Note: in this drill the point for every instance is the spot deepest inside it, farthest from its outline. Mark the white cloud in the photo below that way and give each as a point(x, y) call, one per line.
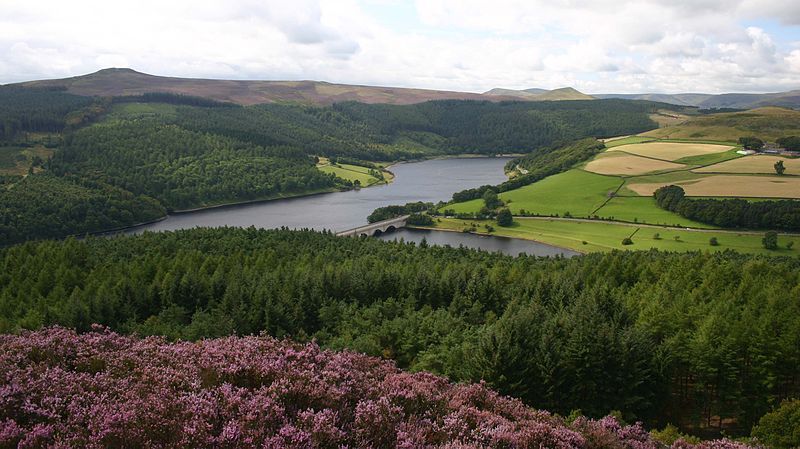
point(595, 45)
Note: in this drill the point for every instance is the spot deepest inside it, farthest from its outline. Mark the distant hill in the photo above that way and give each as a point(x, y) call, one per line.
point(512, 93)
point(767, 123)
point(789, 99)
point(117, 82)
point(564, 93)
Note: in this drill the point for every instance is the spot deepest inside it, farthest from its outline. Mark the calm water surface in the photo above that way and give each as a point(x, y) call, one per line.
point(433, 180)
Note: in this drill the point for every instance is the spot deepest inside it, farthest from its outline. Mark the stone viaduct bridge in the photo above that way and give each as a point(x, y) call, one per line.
point(376, 228)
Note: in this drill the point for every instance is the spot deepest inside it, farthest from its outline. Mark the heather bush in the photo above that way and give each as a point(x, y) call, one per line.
point(103, 390)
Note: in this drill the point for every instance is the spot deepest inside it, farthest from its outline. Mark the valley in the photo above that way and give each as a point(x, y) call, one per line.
point(589, 273)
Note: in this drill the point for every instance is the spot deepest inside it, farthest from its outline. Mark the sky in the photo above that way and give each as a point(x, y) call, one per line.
point(596, 46)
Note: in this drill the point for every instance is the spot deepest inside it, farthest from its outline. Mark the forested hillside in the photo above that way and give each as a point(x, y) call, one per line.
point(704, 341)
point(175, 152)
point(35, 110)
point(183, 169)
point(390, 132)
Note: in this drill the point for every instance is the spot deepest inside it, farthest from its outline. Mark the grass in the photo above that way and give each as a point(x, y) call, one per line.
point(767, 123)
point(709, 159)
point(350, 172)
point(627, 141)
point(643, 209)
point(574, 191)
point(601, 237)
point(666, 118)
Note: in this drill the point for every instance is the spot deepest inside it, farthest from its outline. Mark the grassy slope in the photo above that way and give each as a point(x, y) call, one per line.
point(116, 82)
point(644, 209)
point(601, 236)
point(581, 194)
point(767, 123)
point(574, 191)
point(627, 140)
point(350, 172)
point(709, 159)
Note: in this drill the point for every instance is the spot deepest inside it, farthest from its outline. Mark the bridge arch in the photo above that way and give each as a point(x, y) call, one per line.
point(375, 229)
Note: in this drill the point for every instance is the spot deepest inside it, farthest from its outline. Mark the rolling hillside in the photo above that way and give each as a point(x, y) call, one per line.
point(767, 123)
point(117, 82)
point(564, 93)
point(789, 99)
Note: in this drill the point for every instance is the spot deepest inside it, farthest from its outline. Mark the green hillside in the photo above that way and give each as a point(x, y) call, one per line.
point(767, 123)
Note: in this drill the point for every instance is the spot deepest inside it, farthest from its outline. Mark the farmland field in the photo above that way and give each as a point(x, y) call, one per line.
point(643, 209)
point(618, 163)
point(711, 158)
point(670, 151)
point(753, 164)
point(574, 191)
point(605, 236)
point(767, 123)
point(730, 186)
point(349, 172)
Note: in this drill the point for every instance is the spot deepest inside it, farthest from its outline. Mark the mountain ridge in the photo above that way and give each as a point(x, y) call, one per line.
point(790, 99)
point(125, 81)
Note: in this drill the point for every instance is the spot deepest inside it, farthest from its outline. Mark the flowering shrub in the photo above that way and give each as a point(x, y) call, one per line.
point(100, 389)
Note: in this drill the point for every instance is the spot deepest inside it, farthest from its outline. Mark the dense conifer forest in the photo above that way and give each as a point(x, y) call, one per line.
point(35, 110)
point(708, 342)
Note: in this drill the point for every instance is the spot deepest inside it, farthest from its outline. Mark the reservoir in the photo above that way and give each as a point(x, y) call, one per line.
point(430, 181)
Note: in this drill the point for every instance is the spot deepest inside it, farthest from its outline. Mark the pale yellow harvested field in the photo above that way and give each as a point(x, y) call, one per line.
point(671, 151)
point(730, 185)
point(624, 164)
point(753, 164)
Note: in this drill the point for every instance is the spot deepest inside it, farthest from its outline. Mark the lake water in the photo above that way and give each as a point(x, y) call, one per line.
point(429, 181)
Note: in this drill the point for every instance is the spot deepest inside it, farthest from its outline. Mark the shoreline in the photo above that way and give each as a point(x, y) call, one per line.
point(387, 168)
point(254, 201)
point(486, 234)
point(320, 192)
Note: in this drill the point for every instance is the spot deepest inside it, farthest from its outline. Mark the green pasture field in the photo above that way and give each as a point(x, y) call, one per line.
point(350, 172)
point(604, 236)
point(710, 159)
point(574, 191)
point(627, 141)
point(643, 209)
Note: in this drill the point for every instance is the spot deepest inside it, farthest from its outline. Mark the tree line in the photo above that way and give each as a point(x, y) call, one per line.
point(539, 164)
point(708, 342)
point(731, 213)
